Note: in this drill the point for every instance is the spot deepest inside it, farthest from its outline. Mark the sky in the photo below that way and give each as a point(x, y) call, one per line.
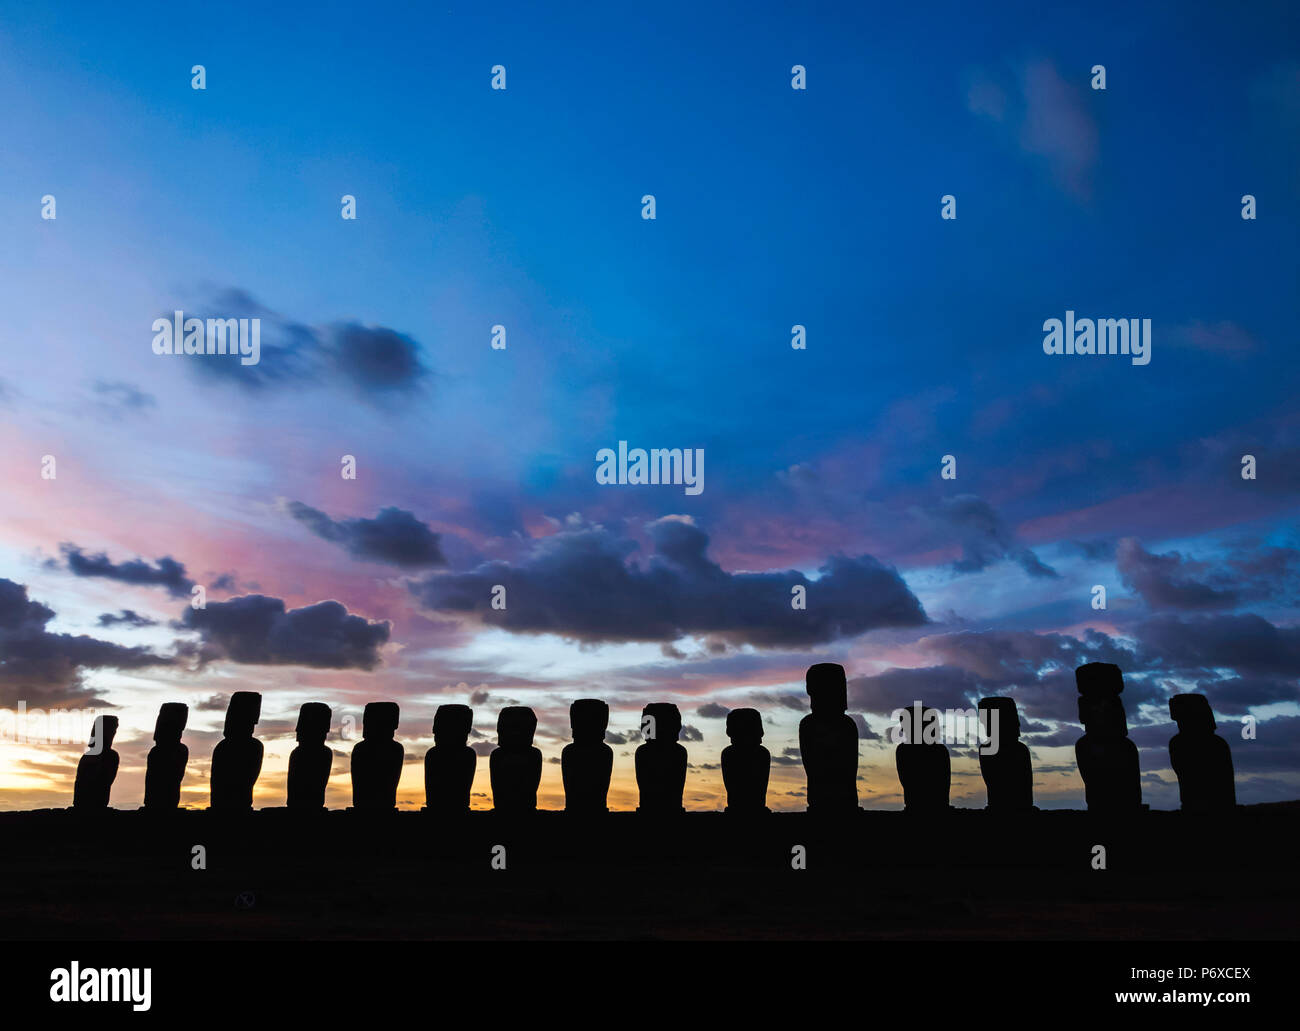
point(476, 466)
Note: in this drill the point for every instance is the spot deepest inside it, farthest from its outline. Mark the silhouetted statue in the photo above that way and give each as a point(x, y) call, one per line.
point(237, 759)
point(1008, 775)
point(377, 759)
point(828, 742)
point(97, 769)
point(1202, 759)
point(588, 762)
point(515, 765)
point(1107, 759)
point(924, 766)
point(746, 764)
point(165, 767)
point(310, 762)
point(449, 765)
point(661, 761)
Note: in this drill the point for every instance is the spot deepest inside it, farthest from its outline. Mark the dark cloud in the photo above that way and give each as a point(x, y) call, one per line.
point(712, 711)
point(118, 395)
point(1244, 643)
point(690, 733)
point(1237, 695)
point(165, 572)
point(943, 687)
point(579, 584)
point(127, 617)
point(394, 536)
point(255, 629)
point(43, 668)
point(985, 537)
point(1170, 581)
point(373, 362)
point(478, 698)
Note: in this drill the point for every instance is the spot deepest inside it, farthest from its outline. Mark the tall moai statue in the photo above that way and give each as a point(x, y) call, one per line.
point(1202, 759)
point(828, 742)
point(377, 759)
point(1008, 774)
point(97, 769)
point(515, 765)
point(661, 760)
point(746, 764)
point(924, 766)
point(237, 759)
point(310, 762)
point(587, 764)
point(449, 765)
point(165, 767)
point(1107, 759)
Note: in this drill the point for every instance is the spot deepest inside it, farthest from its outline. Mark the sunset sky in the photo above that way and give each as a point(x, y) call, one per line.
point(775, 207)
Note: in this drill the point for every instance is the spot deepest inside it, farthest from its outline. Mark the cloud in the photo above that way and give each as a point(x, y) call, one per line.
point(1247, 644)
point(375, 363)
point(118, 396)
point(985, 538)
point(394, 536)
point(579, 584)
point(1216, 338)
point(43, 668)
point(127, 617)
point(712, 711)
point(257, 630)
point(165, 572)
point(1169, 581)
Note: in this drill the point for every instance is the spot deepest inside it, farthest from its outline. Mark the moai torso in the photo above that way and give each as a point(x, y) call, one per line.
point(925, 772)
point(377, 759)
point(165, 766)
point(450, 764)
point(1107, 759)
point(311, 761)
point(237, 759)
point(661, 762)
point(746, 764)
point(97, 769)
point(1007, 772)
point(587, 764)
point(828, 742)
point(515, 766)
point(1201, 759)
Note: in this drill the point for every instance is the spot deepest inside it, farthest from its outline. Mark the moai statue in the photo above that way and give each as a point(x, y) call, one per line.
point(449, 765)
point(746, 763)
point(165, 767)
point(310, 762)
point(588, 762)
point(97, 769)
point(661, 761)
point(515, 765)
point(924, 767)
point(1107, 759)
point(1008, 775)
point(828, 743)
point(237, 759)
point(377, 759)
point(1202, 759)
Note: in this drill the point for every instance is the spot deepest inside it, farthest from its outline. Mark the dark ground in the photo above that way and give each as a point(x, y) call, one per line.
point(883, 875)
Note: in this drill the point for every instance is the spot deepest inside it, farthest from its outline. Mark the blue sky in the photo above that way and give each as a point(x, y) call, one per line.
point(774, 207)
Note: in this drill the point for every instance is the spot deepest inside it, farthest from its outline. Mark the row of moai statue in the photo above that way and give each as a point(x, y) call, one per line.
point(828, 743)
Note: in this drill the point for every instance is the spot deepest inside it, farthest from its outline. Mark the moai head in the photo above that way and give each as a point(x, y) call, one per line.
point(515, 726)
point(745, 726)
point(1192, 713)
point(589, 717)
point(667, 722)
point(1008, 718)
point(1099, 678)
point(242, 714)
point(1103, 714)
point(170, 725)
point(828, 691)
point(313, 723)
point(102, 733)
point(913, 720)
point(452, 724)
point(379, 720)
